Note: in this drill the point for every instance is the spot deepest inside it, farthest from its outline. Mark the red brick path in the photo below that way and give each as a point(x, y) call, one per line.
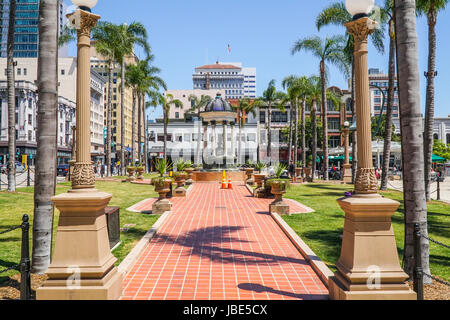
point(221, 244)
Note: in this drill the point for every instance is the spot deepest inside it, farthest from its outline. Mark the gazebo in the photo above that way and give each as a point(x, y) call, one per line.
point(215, 153)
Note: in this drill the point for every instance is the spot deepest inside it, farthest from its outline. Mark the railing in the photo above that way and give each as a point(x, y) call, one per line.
point(25, 178)
point(418, 270)
point(25, 265)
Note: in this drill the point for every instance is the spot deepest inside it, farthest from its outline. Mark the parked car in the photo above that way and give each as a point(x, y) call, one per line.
point(20, 168)
point(63, 170)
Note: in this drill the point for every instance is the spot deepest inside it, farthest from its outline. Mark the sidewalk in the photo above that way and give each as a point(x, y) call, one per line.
point(221, 244)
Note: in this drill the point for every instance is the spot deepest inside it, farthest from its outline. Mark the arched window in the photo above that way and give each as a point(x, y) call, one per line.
point(435, 136)
point(448, 138)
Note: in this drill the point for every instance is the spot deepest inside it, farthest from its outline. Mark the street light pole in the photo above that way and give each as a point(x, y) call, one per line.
point(82, 236)
point(347, 174)
point(368, 267)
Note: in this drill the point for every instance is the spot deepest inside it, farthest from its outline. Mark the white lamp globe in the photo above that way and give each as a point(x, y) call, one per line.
point(85, 3)
point(359, 7)
point(346, 124)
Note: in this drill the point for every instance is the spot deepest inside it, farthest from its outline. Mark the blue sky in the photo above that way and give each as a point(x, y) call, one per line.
point(188, 33)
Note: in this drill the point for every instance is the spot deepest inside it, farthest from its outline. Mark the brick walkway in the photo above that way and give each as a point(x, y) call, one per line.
point(221, 244)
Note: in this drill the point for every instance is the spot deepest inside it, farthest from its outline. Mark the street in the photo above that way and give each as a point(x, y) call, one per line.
point(444, 187)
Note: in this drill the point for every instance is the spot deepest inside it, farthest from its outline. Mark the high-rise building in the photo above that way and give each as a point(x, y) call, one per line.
point(237, 81)
point(378, 79)
point(26, 34)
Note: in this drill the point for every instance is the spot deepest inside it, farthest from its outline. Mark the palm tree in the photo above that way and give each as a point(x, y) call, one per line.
point(430, 8)
point(106, 42)
point(271, 98)
point(313, 98)
point(166, 101)
point(240, 109)
point(11, 99)
point(197, 106)
point(337, 14)
point(411, 127)
point(329, 50)
point(45, 177)
point(128, 37)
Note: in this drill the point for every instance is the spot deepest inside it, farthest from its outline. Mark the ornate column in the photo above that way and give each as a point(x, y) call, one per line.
point(347, 174)
point(213, 143)
point(233, 152)
point(82, 266)
point(368, 267)
point(224, 138)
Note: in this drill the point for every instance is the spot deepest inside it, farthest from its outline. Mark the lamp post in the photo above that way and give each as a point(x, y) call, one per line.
point(347, 173)
point(82, 266)
point(368, 267)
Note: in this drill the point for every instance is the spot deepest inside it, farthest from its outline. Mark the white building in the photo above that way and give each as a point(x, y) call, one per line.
point(441, 129)
point(249, 79)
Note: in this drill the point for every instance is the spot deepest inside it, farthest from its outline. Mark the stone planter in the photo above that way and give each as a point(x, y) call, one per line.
point(180, 179)
point(278, 205)
point(140, 171)
point(259, 180)
point(163, 204)
point(131, 172)
point(189, 180)
point(249, 173)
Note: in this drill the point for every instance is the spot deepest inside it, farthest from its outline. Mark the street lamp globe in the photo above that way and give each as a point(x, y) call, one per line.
point(85, 4)
point(359, 8)
point(346, 124)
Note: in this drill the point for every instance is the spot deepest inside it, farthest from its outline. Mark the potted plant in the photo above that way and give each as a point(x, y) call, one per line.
point(162, 183)
point(249, 172)
point(298, 169)
point(131, 170)
point(189, 169)
point(140, 171)
point(278, 188)
point(180, 177)
point(259, 179)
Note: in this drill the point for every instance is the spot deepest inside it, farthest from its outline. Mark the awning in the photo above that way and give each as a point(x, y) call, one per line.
point(436, 158)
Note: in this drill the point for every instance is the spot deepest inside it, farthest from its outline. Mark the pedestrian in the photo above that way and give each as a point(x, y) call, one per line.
point(102, 170)
point(292, 169)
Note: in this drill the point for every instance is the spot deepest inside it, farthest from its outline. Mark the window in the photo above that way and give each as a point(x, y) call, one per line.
point(334, 124)
point(25, 71)
point(334, 141)
point(187, 137)
point(30, 119)
point(262, 116)
point(63, 72)
point(348, 105)
point(251, 137)
point(19, 71)
point(177, 115)
point(331, 106)
point(278, 116)
point(30, 135)
point(377, 100)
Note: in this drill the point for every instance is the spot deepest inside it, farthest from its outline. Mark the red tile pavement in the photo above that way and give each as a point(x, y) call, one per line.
point(221, 244)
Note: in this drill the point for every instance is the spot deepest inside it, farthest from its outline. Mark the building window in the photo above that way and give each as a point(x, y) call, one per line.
point(334, 141)
point(334, 124)
point(251, 137)
point(278, 116)
point(177, 115)
point(262, 116)
point(25, 71)
point(63, 72)
point(348, 105)
point(19, 71)
point(30, 119)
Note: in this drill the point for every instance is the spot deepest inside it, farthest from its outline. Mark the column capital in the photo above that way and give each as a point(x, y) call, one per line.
point(213, 122)
point(83, 21)
point(360, 29)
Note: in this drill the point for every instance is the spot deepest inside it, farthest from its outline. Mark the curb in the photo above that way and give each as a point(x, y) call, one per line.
point(318, 265)
point(129, 261)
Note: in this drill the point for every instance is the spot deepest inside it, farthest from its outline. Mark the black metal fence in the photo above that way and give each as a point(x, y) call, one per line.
point(24, 178)
point(418, 271)
point(24, 266)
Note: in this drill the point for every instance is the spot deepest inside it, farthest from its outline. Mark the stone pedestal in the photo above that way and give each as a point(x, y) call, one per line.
point(180, 191)
point(259, 191)
point(130, 175)
point(189, 180)
point(161, 206)
point(278, 205)
point(249, 173)
point(347, 173)
point(82, 265)
point(140, 177)
point(369, 268)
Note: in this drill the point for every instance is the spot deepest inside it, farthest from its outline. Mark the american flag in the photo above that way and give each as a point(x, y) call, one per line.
point(229, 48)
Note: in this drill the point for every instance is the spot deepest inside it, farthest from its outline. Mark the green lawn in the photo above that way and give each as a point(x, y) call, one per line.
point(13, 206)
point(322, 228)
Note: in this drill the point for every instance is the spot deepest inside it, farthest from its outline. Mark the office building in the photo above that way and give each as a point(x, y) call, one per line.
point(26, 35)
point(379, 84)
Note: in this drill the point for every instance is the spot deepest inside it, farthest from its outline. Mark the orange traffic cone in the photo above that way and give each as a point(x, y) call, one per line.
point(230, 186)
point(224, 184)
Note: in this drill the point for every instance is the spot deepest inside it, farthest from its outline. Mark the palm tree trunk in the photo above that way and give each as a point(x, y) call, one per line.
point(291, 118)
point(324, 121)
point(147, 169)
point(165, 133)
point(122, 121)
point(11, 100)
point(269, 133)
point(314, 139)
point(411, 129)
point(296, 137)
point(133, 130)
point(258, 133)
point(303, 137)
point(139, 128)
point(109, 117)
point(354, 135)
point(429, 112)
point(47, 128)
point(240, 137)
point(388, 136)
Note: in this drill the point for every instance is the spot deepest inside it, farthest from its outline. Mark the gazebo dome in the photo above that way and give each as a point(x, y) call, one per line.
point(218, 105)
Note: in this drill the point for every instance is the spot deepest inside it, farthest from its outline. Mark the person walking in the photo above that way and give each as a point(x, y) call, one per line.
point(102, 170)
